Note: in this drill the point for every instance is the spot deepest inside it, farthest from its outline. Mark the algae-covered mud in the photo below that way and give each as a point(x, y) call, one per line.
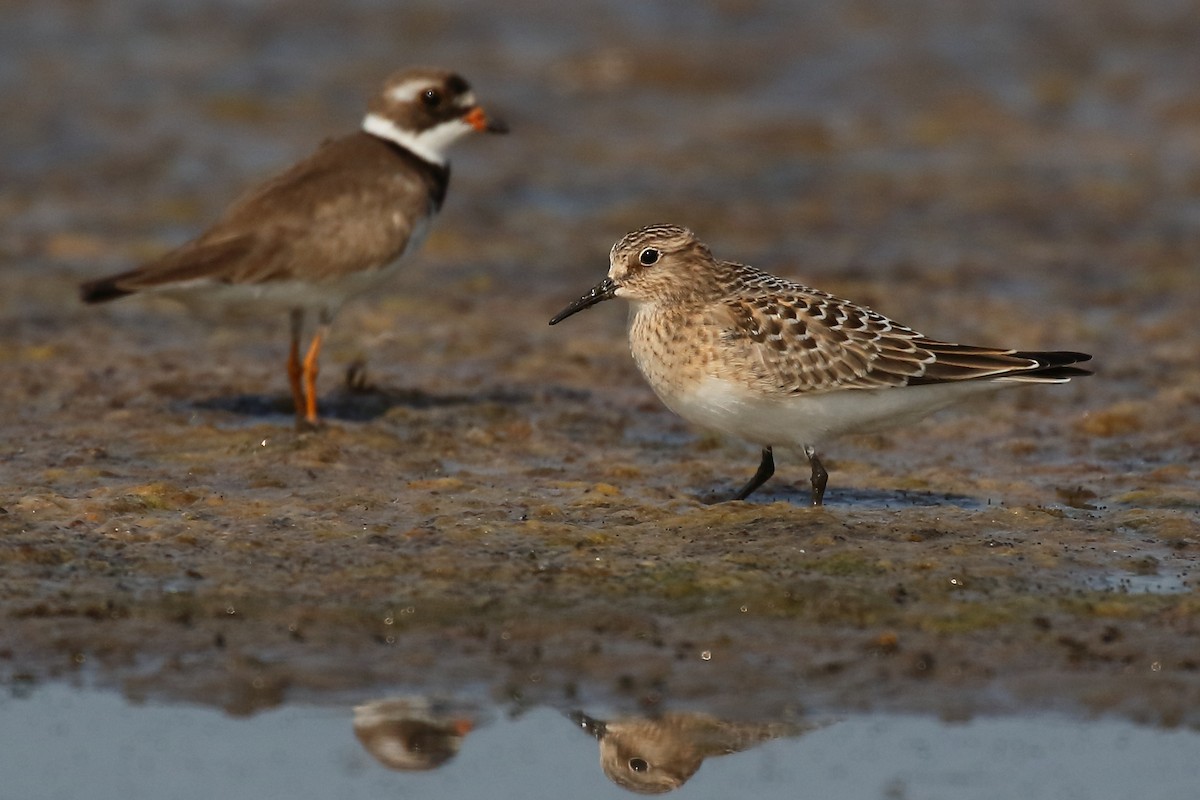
point(503, 506)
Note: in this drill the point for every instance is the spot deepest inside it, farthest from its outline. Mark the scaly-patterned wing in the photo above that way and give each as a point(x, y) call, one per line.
point(791, 339)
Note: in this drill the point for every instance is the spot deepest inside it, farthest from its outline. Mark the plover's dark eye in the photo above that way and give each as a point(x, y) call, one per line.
point(648, 256)
point(638, 764)
point(432, 98)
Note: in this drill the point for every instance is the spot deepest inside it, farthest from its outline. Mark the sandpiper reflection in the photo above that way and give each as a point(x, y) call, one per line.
point(411, 733)
point(652, 755)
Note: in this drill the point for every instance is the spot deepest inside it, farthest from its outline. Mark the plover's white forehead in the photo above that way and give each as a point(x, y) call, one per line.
point(407, 91)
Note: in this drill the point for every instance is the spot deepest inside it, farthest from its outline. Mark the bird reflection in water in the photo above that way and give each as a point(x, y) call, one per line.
point(411, 733)
point(653, 755)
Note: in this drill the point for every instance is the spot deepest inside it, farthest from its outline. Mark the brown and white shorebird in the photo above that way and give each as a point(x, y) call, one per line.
point(655, 755)
point(329, 227)
point(744, 353)
point(412, 733)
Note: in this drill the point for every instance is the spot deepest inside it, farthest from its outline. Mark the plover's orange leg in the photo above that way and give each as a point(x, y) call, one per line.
point(295, 370)
point(311, 370)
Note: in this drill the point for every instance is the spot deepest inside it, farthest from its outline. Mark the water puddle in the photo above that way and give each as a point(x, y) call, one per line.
point(1135, 583)
point(64, 742)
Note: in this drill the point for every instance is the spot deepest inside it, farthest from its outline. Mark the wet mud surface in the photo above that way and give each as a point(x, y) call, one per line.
point(501, 505)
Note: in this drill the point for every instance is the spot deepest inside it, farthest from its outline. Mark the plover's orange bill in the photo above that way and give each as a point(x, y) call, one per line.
point(411, 734)
point(744, 353)
point(331, 226)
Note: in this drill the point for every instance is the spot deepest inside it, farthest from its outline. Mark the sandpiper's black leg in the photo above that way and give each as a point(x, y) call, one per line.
point(819, 476)
point(766, 468)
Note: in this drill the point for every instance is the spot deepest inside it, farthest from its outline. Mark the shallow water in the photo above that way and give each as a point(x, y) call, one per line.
point(72, 742)
point(503, 509)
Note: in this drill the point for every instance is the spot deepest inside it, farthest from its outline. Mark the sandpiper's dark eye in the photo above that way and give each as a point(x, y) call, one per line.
point(432, 98)
point(638, 764)
point(648, 257)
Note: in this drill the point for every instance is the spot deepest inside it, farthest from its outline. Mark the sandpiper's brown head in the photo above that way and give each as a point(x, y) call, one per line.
point(656, 263)
point(427, 110)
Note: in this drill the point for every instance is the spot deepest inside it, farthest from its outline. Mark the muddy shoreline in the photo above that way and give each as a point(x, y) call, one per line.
point(504, 508)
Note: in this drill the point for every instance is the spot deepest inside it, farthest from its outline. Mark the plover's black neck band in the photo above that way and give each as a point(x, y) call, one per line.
point(437, 176)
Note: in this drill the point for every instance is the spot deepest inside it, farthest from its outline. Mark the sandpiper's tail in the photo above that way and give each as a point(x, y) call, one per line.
point(960, 362)
point(1054, 366)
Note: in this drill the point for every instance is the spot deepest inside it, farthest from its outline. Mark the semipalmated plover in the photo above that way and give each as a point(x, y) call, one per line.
point(329, 227)
point(412, 733)
point(736, 350)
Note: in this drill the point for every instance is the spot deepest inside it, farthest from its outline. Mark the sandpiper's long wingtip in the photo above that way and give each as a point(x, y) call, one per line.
point(1055, 365)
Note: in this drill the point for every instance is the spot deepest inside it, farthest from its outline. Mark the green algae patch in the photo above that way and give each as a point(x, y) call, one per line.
point(969, 617)
point(1162, 524)
point(1122, 606)
point(846, 565)
point(1174, 498)
point(152, 497)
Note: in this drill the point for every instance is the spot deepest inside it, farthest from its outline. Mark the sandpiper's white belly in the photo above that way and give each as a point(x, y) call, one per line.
point(811, 419)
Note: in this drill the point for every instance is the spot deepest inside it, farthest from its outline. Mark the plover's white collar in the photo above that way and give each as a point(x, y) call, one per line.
point(430, 144)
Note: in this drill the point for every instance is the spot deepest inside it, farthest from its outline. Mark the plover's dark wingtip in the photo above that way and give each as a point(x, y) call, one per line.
point(102, 290)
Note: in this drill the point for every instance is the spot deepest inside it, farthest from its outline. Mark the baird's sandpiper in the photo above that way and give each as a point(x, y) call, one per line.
point(741, 352)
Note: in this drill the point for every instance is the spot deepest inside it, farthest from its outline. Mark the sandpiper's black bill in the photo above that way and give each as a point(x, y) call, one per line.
point(604, 290)
point(587, 724)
